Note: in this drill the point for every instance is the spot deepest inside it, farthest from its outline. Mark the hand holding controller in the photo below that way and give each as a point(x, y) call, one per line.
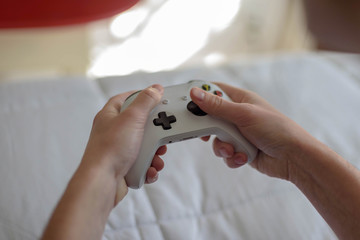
point(176, 119)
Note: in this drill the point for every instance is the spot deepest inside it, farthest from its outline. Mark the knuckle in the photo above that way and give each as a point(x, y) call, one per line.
point(135, 115)
point(248, 108)
point(247, 115)
point(152, 93)
point(216, 103)
point(114, 99)
point(98, 117)
point(132, 112)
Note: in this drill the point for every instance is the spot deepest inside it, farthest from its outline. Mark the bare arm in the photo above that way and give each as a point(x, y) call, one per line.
point(98, 184)
point(332, 185)
point(287, 151)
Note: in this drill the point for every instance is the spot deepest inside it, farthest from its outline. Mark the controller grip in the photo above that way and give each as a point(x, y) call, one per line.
point(135, 178)
point(240, 143)
point(136, 175)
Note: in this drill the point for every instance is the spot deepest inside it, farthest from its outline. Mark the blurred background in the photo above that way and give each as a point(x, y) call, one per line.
point(157, 35)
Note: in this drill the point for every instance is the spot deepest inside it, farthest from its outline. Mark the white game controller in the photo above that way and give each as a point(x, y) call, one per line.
point(177, 118)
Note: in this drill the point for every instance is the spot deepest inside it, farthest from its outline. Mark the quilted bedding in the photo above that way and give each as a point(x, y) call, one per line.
point(45, 125)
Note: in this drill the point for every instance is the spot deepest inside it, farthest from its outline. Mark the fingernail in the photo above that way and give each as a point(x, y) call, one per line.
point(158, 87)
point(198, 93)
point(240, 160)
point(224, 153)
point(151, 180)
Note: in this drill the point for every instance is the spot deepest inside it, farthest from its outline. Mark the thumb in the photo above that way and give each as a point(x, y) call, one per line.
point(215, 105)
point(147, 99)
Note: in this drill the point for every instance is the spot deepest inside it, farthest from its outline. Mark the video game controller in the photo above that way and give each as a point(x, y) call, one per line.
point(177, 118)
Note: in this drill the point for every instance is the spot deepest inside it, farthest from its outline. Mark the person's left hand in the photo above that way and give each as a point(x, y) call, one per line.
point(116, 137)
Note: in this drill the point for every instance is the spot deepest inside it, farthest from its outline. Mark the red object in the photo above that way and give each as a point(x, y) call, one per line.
point(47, 13)
point(218, 93)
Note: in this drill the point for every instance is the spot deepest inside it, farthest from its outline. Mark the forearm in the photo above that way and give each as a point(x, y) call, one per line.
point(332, 186)
point(85, 206)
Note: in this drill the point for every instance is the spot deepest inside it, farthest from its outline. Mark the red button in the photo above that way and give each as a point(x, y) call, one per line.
point(218, 93)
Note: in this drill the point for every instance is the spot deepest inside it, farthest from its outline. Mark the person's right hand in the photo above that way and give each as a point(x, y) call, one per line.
point(276, 136)
point(287, 151)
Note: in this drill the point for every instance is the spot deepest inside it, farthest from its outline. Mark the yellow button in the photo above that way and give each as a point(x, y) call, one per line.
point(206, 87)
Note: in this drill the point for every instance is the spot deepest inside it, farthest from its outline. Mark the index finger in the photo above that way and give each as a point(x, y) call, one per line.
point(114, 103)
point(240, 95)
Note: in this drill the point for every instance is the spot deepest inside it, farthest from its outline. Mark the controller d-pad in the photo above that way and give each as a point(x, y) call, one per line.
point(193, 108)
point(164, 120)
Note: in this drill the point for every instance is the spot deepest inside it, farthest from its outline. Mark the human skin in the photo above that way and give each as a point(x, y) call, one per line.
point(98, 184)
point(288, 152)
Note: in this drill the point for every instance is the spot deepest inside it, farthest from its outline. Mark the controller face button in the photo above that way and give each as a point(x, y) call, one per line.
point(193, 108)
point(206, 87)
point(164, 120)
point(165, 101)
point(184, 98)
point(218, 93)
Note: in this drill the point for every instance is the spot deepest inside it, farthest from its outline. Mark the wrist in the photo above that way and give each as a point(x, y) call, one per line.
point(303, 155)
point(312, 162)
point(101, 178)
point(101, 170)
point(97, 180)
point(85, 205)
point(328, 181)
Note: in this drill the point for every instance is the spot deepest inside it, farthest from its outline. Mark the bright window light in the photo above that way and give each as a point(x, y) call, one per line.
point(214, 59)
point(172, 34)
point(126, 23)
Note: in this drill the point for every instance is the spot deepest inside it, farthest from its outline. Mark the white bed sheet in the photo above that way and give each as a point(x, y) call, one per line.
point(45, 126)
